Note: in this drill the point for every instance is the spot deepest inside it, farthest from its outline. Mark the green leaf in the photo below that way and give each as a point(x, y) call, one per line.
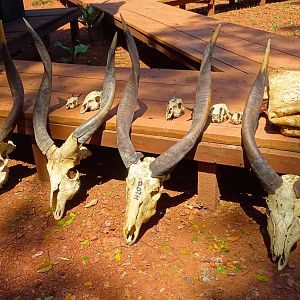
point(45, 267)
point(194, 238)
point(61, 45)
point(72, 215)
point(221, 269)
point(48, 298)
point(238, 268)
point(68, 222)
point(84, 242)
point(85, 259)
point(80, 48)
point(261, 278)
point(18, 297)
point(165, 244)
point(175, 269)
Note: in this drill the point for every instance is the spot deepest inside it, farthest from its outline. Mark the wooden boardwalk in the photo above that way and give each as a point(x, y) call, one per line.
point(183, 35)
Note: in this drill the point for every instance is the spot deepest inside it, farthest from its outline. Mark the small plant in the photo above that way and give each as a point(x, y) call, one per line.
point(91, 18)
point(40, 2)
point(75, 53)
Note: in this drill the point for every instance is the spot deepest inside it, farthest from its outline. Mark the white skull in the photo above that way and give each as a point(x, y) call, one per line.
point(219, 113)
point(142, 194)
point(175, 108)
point(283, 214)
point(5, 150)
point(64, 181)
point(72, 103)
point(236, 118)
point(91, 102)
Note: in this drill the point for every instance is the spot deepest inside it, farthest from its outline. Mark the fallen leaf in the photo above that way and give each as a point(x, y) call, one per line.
point(261, 278)
point(46, 266)
point(85, 259)
point(184, 252)
point(88, 283)
point(91, 203)
point(118, 256)
point(69, 296)
point(221, 269)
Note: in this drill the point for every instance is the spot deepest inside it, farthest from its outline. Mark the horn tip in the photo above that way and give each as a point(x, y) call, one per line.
point(265, 62)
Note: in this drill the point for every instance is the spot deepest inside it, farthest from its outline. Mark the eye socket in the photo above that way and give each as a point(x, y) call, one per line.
point(72, 173)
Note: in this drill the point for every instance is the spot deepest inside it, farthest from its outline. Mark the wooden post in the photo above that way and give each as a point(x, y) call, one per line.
point(40, 161)
point(208, 189)
point(211, 7)
point(262, 2)
point(74, 31)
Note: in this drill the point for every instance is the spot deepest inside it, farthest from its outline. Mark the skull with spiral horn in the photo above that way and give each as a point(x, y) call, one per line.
point(144, 183)
point(283, 201)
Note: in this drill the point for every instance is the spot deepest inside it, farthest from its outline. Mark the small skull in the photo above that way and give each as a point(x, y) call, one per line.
point(142, 193)
point(236, 118)
point(175, 108)
point(72, 103)
point(91, 102)
point(219, 113)
point(5, 150)
point(283, 213)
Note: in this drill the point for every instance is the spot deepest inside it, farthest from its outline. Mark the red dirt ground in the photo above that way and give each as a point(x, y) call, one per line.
point(184, 252)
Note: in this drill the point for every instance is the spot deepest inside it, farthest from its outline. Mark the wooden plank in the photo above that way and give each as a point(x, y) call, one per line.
point(281, 161)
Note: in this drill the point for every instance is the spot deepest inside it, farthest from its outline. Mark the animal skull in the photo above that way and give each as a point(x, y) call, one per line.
point(64, 181)
point(219, 113)
point(283, 213)
point(5, 150)
point(175, 108)
point(236, 118)
point(91, 102)
point(72, 103)
point(142, 193)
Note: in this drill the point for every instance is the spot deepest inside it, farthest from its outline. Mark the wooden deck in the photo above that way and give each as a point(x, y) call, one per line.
point(183, 36)
point(44, 21)
point(151, 131)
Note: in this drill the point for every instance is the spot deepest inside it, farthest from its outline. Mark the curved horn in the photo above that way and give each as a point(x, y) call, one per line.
point(88, 128)
point(41, 106)
point(16, 87)
point(127, 105)
point(164, 163)
point(269, 179)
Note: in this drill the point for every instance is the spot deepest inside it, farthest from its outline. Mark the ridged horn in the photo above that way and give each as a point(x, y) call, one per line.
point(88, 128)
point(127, 105)
point(16, 87)
point(269, 179)
point(164, 163)
point(41, 106)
